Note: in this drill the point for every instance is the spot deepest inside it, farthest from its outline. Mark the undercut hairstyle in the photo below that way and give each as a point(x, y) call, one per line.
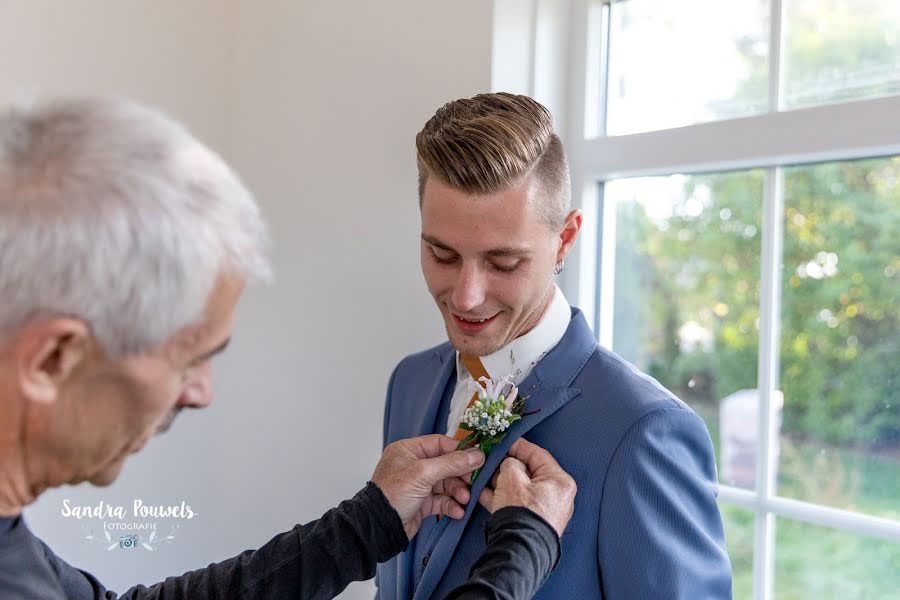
point(114, 214)
point(488, 143)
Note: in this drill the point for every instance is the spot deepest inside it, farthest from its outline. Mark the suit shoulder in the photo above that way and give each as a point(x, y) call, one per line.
point(416, 373)
point(622, 392)
point(417, 360)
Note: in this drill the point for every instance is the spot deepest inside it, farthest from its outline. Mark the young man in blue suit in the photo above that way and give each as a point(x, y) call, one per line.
point(494, 194)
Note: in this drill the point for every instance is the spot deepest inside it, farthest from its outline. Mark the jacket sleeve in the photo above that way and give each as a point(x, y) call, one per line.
point(660, 533)
point(387, 408)
point(384, 443)
point(313, 561)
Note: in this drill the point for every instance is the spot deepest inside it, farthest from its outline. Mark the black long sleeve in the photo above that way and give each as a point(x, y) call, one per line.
point(522, 550)
point(311, 562)
point(314, 561)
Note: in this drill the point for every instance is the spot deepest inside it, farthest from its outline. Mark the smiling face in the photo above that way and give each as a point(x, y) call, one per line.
point(97, 411)
point(488, 261)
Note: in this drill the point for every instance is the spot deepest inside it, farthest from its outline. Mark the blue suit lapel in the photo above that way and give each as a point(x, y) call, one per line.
point(423, 421)
point(546, 389)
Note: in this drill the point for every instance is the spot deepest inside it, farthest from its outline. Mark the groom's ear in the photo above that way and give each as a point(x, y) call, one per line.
point(569, 234)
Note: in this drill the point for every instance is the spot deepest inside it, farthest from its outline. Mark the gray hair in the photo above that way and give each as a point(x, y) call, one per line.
point(112, 213)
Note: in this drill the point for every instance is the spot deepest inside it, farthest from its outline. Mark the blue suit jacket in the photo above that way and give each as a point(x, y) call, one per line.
point(646, 522)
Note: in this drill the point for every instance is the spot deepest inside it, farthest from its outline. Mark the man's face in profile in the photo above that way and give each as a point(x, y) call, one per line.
point(488, 261)
point(109, 409)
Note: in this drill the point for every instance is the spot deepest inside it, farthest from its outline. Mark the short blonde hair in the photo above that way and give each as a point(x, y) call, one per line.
point(486, 144)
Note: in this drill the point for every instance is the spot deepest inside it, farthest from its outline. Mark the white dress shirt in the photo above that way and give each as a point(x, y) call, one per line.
point(517, 358)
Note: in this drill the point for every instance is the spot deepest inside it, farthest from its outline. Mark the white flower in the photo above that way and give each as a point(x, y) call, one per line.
point(491, 413)
point(484, 389)
point(489, 389)
point(513, 393)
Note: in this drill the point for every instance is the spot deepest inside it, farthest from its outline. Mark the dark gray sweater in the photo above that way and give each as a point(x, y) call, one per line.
point(316, 560)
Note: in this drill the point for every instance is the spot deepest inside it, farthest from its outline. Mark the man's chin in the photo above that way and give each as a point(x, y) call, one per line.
point(107, 475)
point(476, 345)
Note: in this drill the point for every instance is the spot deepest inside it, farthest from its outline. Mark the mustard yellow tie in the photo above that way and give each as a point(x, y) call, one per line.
point(476, 369)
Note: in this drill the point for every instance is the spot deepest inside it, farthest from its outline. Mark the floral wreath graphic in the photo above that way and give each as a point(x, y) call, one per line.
point(130, 541)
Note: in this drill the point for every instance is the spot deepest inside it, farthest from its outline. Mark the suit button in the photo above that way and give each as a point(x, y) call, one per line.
point(425, 561)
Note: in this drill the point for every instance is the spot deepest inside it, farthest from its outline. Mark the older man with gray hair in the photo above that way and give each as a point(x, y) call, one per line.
point(125, 245)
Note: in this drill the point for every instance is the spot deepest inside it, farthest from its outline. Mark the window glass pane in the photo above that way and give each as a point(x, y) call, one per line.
point(840, 341)
point(686, 298)
point(838, 50)
point(676, 63)
point(739, 539)
point(817, 562)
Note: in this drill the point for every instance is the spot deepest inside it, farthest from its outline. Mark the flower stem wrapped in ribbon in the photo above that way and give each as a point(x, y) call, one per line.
point(497, 406)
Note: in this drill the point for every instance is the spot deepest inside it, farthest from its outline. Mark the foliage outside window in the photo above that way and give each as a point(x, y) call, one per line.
point(685, 255)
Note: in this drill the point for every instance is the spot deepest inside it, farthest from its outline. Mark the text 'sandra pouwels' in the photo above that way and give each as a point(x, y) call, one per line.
point(139, 510)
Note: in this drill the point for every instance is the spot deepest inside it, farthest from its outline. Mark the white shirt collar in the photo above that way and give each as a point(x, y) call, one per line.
point(519, 357)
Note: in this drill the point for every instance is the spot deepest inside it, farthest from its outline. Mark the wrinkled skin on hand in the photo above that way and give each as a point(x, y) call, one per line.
point(532, 478)
point(423, 476)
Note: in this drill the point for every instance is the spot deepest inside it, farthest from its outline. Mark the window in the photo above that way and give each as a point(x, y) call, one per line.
point(740, 163)
point(686, 309)
point(711, 72)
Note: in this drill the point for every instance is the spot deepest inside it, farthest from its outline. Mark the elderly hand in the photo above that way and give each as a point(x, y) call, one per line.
point(422, 476)
point(532, 478)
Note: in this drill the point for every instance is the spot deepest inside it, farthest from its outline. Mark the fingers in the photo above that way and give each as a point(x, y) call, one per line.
point(513, 467)
point(455, 464)
point(535, 458)
point(512, 478)
point(446, 506)
point(467, 478)
point(512, 474)
point(486, 499)
point(431, 446)
point(454, 487)
point(493, 482)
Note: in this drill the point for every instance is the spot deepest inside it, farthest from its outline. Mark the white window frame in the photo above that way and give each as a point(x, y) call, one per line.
point(543, 48)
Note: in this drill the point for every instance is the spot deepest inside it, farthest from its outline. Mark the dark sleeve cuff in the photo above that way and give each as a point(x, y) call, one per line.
point(385, 518)
point(522, 549)
point(518, 517)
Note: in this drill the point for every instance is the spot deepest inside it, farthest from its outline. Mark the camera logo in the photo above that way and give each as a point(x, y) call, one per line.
point(127, 542)
point(130, 541)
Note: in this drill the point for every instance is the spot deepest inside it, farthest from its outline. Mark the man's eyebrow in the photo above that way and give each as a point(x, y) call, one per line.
point(208, 355)
point(515, 252)
point(436, 243)
point(496, 252)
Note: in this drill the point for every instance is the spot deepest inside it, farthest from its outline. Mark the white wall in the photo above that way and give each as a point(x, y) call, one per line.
point(173, 55)
point(329, 98)
point(316, 104)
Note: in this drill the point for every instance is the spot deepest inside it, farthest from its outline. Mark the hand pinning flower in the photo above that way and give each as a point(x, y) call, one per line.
point(497, 406)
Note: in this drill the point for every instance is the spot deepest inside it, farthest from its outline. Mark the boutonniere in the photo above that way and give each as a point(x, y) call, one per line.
point(497, 406)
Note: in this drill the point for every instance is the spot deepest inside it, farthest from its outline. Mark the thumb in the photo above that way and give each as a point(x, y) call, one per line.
point(454, 464)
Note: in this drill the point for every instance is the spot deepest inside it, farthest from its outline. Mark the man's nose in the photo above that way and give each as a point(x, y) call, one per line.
point(469, 292)
point(197, 392)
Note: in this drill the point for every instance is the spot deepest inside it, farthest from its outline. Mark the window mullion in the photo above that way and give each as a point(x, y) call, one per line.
point(606, 25)
point(776, 44)
point(770, 296)
point(812, 513)
point(607, 250)
point(767, 382)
